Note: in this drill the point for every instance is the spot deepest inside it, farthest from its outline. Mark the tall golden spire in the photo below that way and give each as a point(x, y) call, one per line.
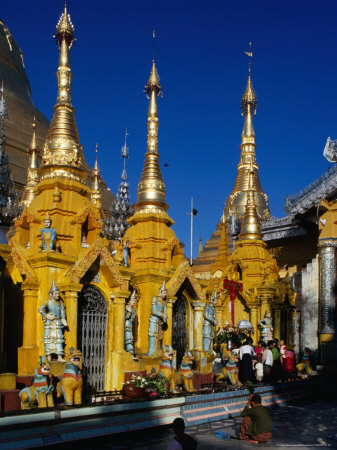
point(32, 171)
point(237, 200)
point(151, 195)
point(62, 152)
point(96, 191)
point(250, 227)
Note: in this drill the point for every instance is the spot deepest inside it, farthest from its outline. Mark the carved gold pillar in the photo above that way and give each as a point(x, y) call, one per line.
point(327, 280)
point(277, 323)
point(253, 318)
point(29, 352)
point(71, 304)
point(115, 367)
point(119, 320)
point(167, 334)
point(198, 312)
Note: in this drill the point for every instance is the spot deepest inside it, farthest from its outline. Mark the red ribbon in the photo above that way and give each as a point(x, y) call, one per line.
point(233, 288)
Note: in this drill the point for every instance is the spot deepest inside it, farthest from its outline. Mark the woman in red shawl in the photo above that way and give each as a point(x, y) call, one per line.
point(289, 362)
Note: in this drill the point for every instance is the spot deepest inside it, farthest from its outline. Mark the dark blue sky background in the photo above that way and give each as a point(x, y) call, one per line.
point(203, 70)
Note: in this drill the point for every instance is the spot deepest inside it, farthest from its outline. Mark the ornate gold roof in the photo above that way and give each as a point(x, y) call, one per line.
point(151, 194)
point(62, 152)
point(238, 199)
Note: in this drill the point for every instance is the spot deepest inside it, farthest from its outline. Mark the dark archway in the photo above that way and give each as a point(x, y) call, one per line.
point(179, 328)
point(92, 318)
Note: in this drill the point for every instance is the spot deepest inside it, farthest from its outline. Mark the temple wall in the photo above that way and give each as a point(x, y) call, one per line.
point(307, 307)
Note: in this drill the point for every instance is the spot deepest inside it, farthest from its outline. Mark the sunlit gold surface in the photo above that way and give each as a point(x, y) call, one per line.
point(151, 195)
point(250, 227)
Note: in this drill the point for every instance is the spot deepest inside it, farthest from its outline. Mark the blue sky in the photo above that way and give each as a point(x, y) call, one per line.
point(200, 59)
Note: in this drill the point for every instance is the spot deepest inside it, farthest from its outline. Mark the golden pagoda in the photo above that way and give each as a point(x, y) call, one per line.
point(235, 207)
point(156, 256)
point(252, 266)
point(76, 257)
point(237, 200)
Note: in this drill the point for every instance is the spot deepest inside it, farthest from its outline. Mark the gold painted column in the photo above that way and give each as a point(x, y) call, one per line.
point(71, 304)
point(277, 323)
point(198, 312)
point(167, 334)
point(115, 370)
point(253, 318)
point(28, 354)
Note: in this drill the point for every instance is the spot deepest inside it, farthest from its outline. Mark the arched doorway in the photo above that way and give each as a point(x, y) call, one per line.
point(92, 315)
point(179, 328)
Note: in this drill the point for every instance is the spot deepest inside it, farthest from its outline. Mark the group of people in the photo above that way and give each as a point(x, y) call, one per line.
point(271, 361)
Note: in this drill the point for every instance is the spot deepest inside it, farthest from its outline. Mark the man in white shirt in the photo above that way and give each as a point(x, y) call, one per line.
point(267, 359)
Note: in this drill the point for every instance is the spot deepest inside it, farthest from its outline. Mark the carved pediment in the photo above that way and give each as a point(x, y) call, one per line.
point(87, 258)
point(182, 273)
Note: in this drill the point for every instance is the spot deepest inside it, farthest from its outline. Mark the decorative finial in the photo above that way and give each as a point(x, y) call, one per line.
point(125, 149)
point(65, 28)
point(121, 208)
point(62, 152)
point(96, 193)
point(32, 171)
point(249, 99)
point(96, 151)
point(250, 55)
point(153, 41)
point(153, 83)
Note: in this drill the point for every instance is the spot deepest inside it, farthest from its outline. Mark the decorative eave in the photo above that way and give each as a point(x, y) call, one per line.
point(324, 187)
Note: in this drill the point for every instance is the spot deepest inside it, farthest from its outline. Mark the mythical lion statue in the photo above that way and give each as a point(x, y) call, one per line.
point(70, 377)
point(40, 393)
point(185, 373)
point(166, 365)
point(230, 372)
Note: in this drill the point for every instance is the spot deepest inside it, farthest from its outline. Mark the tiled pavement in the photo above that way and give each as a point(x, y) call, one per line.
point(300, 425)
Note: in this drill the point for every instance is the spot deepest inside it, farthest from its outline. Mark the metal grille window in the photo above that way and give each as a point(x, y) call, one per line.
point(92, 335)
point(179, 329)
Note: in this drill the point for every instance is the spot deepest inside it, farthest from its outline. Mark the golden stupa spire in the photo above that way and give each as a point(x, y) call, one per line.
point(237, 201)
point(32, 171)
point(96, 191)
point(250, 227)
point(62, 152)
point(151, 195)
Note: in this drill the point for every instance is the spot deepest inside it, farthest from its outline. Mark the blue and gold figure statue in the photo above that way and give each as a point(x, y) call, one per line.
point(266, 327)
point(54, 320)
point(48, 235)
point(158, 318)
point(130, 314)
point(209, 324)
